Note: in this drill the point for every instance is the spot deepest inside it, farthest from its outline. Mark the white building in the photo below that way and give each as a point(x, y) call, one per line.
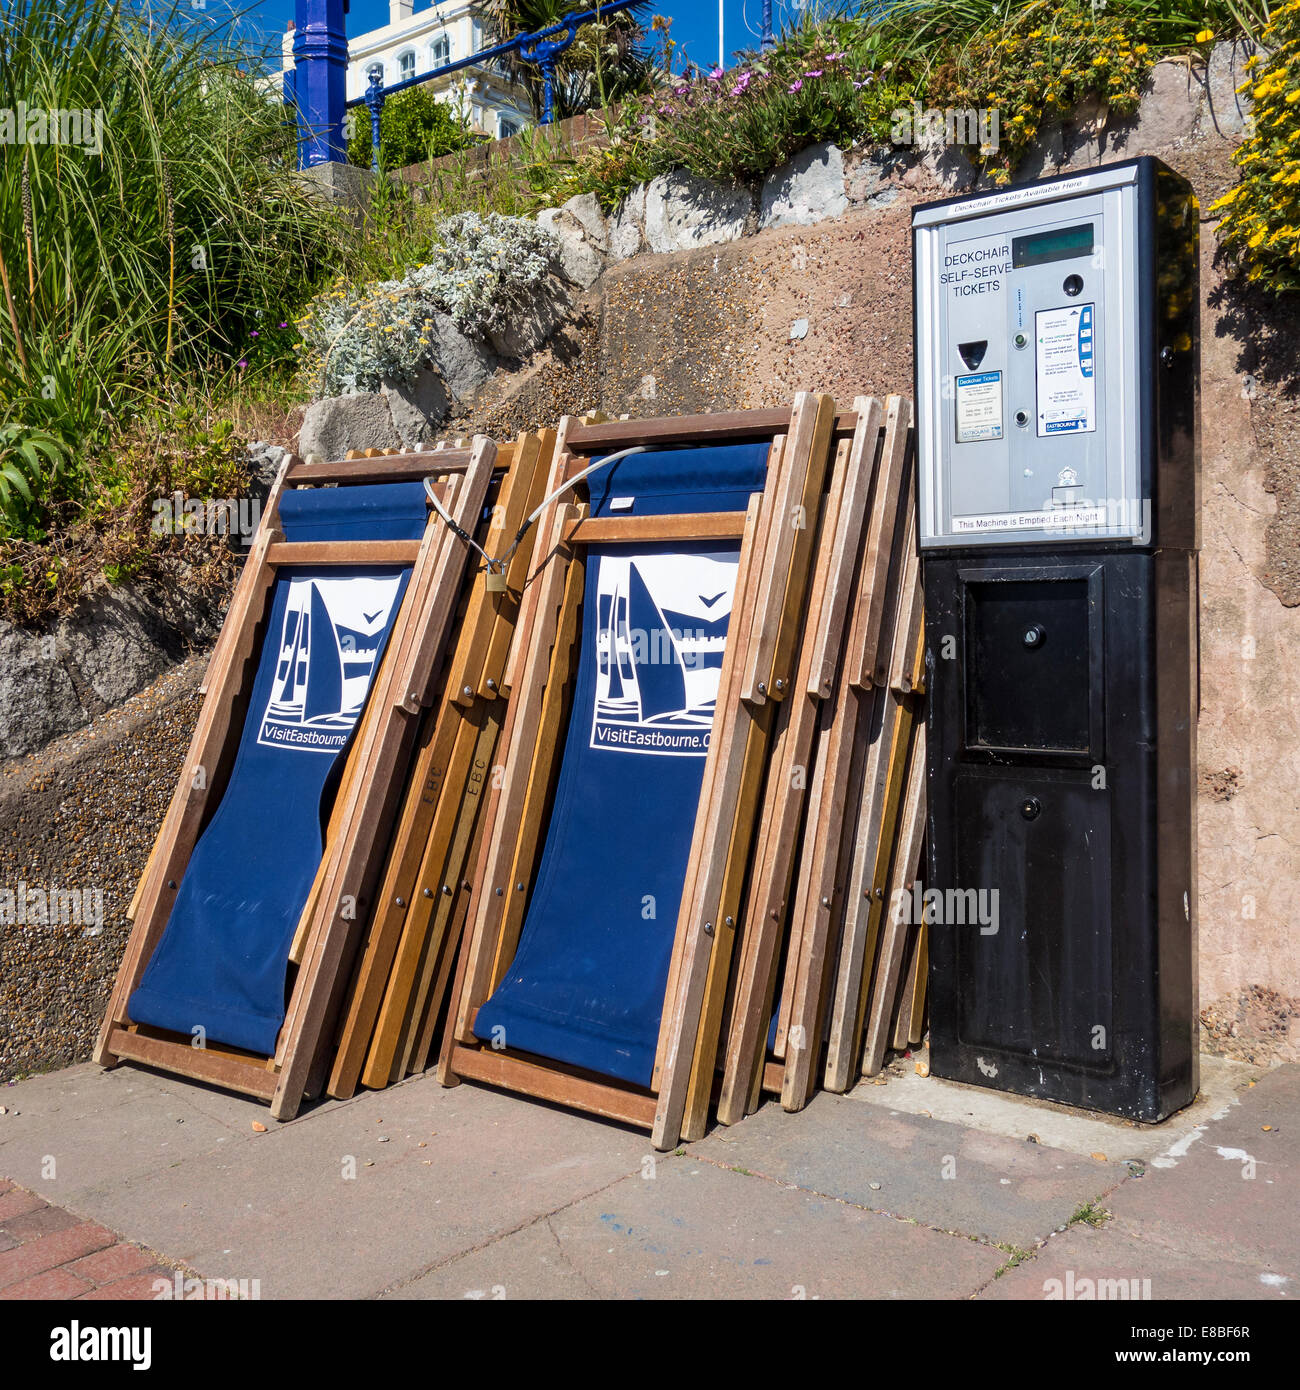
point(411, 44)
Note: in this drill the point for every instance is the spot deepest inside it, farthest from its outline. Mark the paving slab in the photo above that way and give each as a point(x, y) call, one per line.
point(1107, 1264)
point(948, 1177)
point(1231, 1187)
point(359, 1195)
point(1058, 1126)
point(697, 1231)
point(70, 1133)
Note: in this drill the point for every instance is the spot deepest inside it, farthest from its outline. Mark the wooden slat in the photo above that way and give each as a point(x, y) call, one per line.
point(386, 469)
point(788, 545)
point(552, 1082)
point(758, 516)
point(510, 604)
point(200, 1064)
point(418, 910)
point(843, 561)
point(893, 934)
point(507, 807)
point(400, 882)
point(706, 526)
point(352, 553)
point(868, 875)
point(724, 427)
point(894, 483)
point(485, 608)
point(819, 902)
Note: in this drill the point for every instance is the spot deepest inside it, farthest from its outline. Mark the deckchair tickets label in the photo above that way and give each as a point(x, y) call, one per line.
point(662, 629)
point(329, 641)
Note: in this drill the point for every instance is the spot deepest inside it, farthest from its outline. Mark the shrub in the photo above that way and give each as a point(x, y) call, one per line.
point(1041, 64)
point(486, 271)
point(414, 126)
point(1261, 215)
point(483, 271)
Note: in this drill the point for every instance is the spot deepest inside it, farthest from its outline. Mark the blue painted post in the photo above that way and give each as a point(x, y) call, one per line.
point(320, 56)
point(375, 101)
point(767, 41)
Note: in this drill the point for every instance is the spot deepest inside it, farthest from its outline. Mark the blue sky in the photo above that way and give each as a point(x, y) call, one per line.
point(695, 22)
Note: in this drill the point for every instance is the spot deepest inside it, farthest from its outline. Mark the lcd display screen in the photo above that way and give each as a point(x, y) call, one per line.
point(1061, 244)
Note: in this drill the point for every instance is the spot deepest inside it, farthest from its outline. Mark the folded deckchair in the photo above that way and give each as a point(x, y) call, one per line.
point(403, 969)
point(822, 889)
point(247, 913)
point(657, 639)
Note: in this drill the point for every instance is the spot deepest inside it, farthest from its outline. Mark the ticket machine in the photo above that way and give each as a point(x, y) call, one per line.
point(1057, 361)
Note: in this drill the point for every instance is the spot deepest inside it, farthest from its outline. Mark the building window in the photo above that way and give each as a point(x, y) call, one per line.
point(508, 126)
point(440, 51)
point(406, 65)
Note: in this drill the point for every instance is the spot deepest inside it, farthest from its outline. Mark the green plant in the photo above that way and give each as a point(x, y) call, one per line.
point(1042, 63)
point(151, 223)
point(1090, 1214)
point(26, 456)
point(414, 127)
point(1260, 229)
point(481, 271)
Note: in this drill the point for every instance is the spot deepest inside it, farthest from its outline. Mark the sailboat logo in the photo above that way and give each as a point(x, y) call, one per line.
point(661, 629)
point(331, 636)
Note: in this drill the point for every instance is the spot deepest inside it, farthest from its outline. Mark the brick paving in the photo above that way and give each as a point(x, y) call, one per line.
point(49, 1253)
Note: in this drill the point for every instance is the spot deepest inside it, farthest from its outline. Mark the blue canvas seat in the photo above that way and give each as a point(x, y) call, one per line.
point(220, 965)
point(586, 986)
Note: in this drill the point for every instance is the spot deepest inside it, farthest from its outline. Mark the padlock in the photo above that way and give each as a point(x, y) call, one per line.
point(496, 579)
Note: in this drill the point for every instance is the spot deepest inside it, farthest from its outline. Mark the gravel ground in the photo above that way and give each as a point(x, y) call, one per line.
point(82, 814)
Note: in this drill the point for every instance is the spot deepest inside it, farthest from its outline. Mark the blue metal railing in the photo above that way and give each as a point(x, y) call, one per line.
point(315, 86)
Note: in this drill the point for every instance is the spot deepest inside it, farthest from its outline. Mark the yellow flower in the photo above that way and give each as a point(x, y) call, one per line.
point(1205, 36)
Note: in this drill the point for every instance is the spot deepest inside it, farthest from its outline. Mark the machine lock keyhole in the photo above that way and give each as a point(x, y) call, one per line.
point(1034, 636)
point(1031, 808)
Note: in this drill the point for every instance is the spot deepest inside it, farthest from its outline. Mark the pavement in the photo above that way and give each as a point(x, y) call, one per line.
point(912, 1187)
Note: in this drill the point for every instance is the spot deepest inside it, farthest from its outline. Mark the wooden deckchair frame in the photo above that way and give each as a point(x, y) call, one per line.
point(842, 798)
point(398, 963)
point(363, 805)
point(775, 560)
point(767, 905)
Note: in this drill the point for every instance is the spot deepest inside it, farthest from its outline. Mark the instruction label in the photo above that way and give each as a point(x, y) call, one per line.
point(979, 407)
point(1065, 371)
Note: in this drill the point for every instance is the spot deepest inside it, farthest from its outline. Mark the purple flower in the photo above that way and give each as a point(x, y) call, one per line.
point(796, 85)
point(835, 57)
point(716, 75)
point(284, 325)
point(681, 91)
point(742, 85)
point(816, 72)
point(243, 362)
point(254, 333)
